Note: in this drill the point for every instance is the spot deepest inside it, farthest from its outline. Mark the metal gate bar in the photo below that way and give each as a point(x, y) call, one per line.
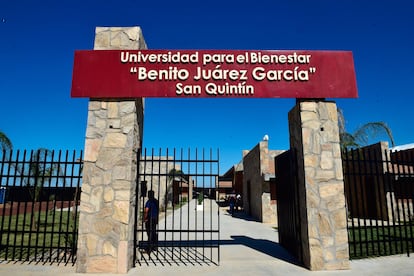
point(39, 203)
point(187, 232)
point(379, 187)
point(288, 198)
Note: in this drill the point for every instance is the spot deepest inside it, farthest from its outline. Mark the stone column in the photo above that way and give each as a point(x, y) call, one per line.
point(113, 137)
point(314, 135)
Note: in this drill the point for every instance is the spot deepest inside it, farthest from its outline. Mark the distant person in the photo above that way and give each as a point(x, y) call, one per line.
point(238, 202)
point(151, 221)
point(232, 203)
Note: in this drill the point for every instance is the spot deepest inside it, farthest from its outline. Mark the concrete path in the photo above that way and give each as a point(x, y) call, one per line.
point(247, 248)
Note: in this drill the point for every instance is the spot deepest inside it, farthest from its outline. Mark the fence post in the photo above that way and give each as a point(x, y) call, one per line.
point(314, 135)
point(113, 137)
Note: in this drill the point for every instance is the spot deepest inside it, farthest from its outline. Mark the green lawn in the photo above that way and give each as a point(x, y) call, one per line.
point(20, 239)
point(381, 241)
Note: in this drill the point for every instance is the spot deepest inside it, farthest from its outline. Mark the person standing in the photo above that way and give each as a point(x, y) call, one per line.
point(151, 221)
point(232, 202)
point(238, 202)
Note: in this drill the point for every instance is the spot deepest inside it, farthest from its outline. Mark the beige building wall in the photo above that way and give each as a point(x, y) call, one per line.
point(258, 169)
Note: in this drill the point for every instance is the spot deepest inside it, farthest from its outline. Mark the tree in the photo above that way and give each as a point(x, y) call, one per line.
point(5, 142)
point(40, 172)
point(174, 175)
point(362, 135)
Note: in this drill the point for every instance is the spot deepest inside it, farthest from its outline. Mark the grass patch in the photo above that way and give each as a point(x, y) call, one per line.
point(21, 239)
point(380, 240)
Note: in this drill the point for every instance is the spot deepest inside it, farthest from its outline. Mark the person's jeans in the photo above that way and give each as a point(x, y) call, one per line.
point(151, 229)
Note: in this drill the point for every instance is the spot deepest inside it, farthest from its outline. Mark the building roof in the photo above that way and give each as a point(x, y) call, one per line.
point(403, 147)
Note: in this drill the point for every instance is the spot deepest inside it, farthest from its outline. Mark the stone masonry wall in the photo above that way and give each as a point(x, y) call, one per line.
point(113, 137)
point(269, 203)
point(256, 163)
point(252, 202)
point(315, 137)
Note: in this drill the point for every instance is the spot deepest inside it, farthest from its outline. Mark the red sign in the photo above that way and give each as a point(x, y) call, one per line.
point(213, 73)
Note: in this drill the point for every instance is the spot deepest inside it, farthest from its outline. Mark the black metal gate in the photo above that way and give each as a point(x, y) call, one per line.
point(379, 188)
point(288, 203)
point(40, 192)
point(185, 185)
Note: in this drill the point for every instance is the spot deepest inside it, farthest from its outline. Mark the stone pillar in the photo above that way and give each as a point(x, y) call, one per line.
point(314, 135)
point(113, 137)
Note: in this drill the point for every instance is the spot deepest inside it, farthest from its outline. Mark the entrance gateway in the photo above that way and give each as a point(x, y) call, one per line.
point(123, 72)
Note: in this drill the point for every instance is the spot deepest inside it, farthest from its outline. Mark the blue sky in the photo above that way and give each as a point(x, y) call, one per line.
point(38, 40)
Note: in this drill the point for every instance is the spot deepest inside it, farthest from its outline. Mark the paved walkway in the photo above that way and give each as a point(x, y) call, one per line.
point(247, 248)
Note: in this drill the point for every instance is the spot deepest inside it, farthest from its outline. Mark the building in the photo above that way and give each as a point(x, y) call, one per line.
point(379, 182)
point(259, 187)
point(230, 182)
point(254, 179)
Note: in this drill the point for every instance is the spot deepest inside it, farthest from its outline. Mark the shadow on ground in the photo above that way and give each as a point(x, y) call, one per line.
point(267, 247)
point(197, 252)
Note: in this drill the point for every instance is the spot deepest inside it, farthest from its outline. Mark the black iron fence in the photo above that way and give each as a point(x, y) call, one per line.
point(184, 183)
point(39, 198)
point(379, 188)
